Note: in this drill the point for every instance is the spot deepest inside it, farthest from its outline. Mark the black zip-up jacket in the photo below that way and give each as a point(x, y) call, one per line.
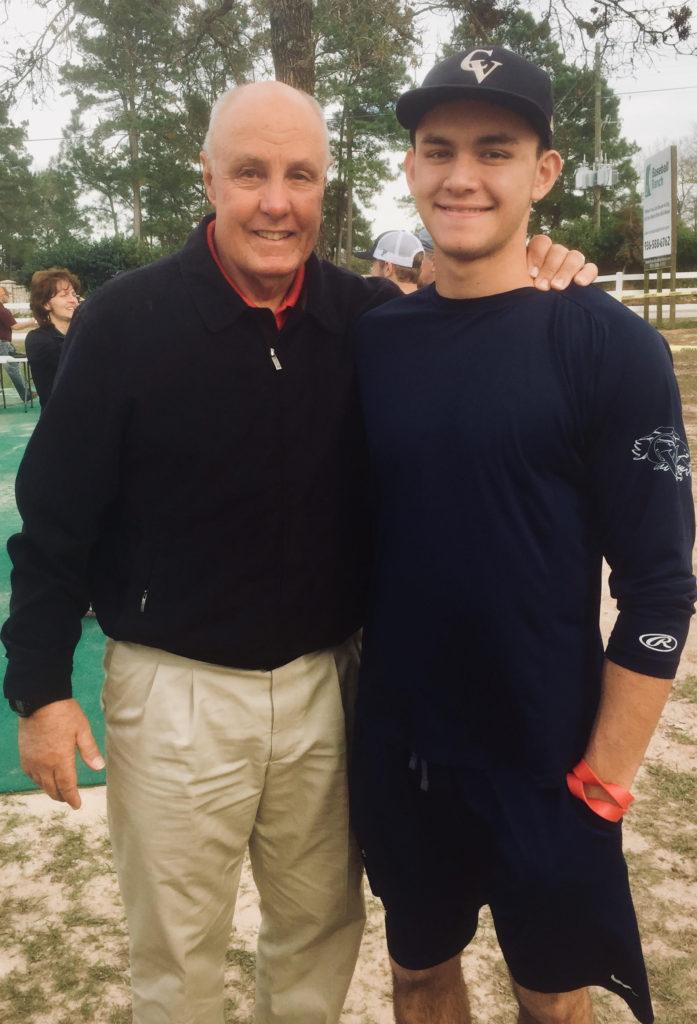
point(206, 502)
point(43, 347)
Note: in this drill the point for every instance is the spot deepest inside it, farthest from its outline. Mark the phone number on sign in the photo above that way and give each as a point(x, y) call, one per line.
point(657, 243)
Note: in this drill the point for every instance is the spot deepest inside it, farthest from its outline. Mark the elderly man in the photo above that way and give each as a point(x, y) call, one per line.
point(219, 525)
point(8, 324)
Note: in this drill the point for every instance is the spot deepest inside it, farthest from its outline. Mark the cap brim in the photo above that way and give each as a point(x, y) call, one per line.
point(412, 106)
point(363, 255)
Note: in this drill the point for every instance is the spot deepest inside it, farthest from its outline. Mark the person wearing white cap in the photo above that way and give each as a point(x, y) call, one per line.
point(427, 274)
point(397, 256)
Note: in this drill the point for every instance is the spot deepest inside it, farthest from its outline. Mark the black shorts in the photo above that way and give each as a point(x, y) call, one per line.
point(439, 843)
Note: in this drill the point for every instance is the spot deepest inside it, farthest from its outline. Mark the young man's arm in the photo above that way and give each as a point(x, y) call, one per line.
point(640, 478)
point(629, 711)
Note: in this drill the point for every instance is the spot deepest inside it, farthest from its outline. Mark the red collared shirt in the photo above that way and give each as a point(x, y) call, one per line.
point(289, 300)
point(7, 322)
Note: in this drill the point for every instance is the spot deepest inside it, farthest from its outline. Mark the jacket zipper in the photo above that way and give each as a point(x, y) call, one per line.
point(144, 600)
point(274, 359)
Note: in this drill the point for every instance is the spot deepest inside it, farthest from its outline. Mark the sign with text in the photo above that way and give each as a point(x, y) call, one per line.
point(658, 206)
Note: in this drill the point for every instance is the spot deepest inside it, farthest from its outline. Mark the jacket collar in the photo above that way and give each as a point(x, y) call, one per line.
point(320, 299)
point(219, 305)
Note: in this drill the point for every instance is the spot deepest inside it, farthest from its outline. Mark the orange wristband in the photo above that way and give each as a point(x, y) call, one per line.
point(582, 774)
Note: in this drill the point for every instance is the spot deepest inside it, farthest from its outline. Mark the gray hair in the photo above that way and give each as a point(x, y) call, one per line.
point(226, 98)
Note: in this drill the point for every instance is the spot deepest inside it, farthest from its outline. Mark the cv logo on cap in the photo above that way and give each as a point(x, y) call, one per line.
point(662, 643)
point(479, 67)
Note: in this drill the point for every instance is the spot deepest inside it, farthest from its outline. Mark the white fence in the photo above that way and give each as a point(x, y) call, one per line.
point(624, 288)
point(620, 277)
point(17, 292)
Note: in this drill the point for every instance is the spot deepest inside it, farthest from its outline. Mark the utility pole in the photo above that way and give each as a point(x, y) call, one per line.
point(597, 191)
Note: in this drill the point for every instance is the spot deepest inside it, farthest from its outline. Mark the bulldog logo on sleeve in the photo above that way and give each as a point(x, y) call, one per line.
point(665, 450)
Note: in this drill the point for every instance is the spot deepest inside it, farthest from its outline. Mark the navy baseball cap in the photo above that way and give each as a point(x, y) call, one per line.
point(492, 74)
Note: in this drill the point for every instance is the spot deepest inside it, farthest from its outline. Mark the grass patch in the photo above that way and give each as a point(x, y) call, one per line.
point(22, 997)
point(12, 821)
point(244, 959)
point(675, 978)
point(687, 689)
point(73, 860)
point(120, 1015)
point(685, 844)
point(674, 325)
point(680, 787)
point(233, 1014)
point(13, 852)
point(78, 916)
point(13, 909)
point(678, 735)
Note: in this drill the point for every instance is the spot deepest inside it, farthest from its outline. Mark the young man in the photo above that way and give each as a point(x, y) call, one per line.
point(516, 437)
point(396, 255)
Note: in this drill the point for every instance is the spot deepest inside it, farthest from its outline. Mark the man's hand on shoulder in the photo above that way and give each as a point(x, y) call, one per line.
point(556, 266)
point(47, 743)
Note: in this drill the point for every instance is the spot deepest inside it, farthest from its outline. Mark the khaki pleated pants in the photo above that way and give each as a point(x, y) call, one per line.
point(203, 762)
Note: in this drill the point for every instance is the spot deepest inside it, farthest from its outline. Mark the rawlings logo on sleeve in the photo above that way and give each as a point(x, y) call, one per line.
point(665, 450)
point(661, 643)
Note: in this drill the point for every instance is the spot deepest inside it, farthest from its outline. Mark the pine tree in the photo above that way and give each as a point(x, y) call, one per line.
point(361, 70)
point(16, 209)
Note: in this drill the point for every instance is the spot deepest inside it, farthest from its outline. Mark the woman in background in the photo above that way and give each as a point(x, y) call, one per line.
point(53, 299)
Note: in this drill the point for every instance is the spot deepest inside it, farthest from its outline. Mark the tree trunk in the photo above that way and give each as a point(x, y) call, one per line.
point(134, 160)
point(292, 46)
point(340, 232)
point(134, 150)
point(339, 213)
point(114, 218)
point(598, 128)
point(349, 192)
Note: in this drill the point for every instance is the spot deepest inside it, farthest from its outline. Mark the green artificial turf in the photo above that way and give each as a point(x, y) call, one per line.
point(16, 427)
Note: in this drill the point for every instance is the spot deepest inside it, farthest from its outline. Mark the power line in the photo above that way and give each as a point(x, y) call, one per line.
point(634, 92)
point(639, 92)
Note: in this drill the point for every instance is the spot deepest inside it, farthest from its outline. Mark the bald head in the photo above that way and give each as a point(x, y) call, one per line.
point(264, 100)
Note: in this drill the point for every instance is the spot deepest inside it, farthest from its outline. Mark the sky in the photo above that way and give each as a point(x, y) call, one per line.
point(658, 107)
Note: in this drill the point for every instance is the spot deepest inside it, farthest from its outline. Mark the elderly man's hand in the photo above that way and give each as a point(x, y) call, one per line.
point(555, 265)
point(47, 743)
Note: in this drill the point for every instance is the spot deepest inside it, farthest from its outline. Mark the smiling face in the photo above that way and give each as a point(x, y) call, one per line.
point(474, 172)
point(265, 175)
point(62, 304)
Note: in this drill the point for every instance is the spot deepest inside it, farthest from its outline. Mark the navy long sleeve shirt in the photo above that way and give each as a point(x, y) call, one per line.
point(515, 440)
